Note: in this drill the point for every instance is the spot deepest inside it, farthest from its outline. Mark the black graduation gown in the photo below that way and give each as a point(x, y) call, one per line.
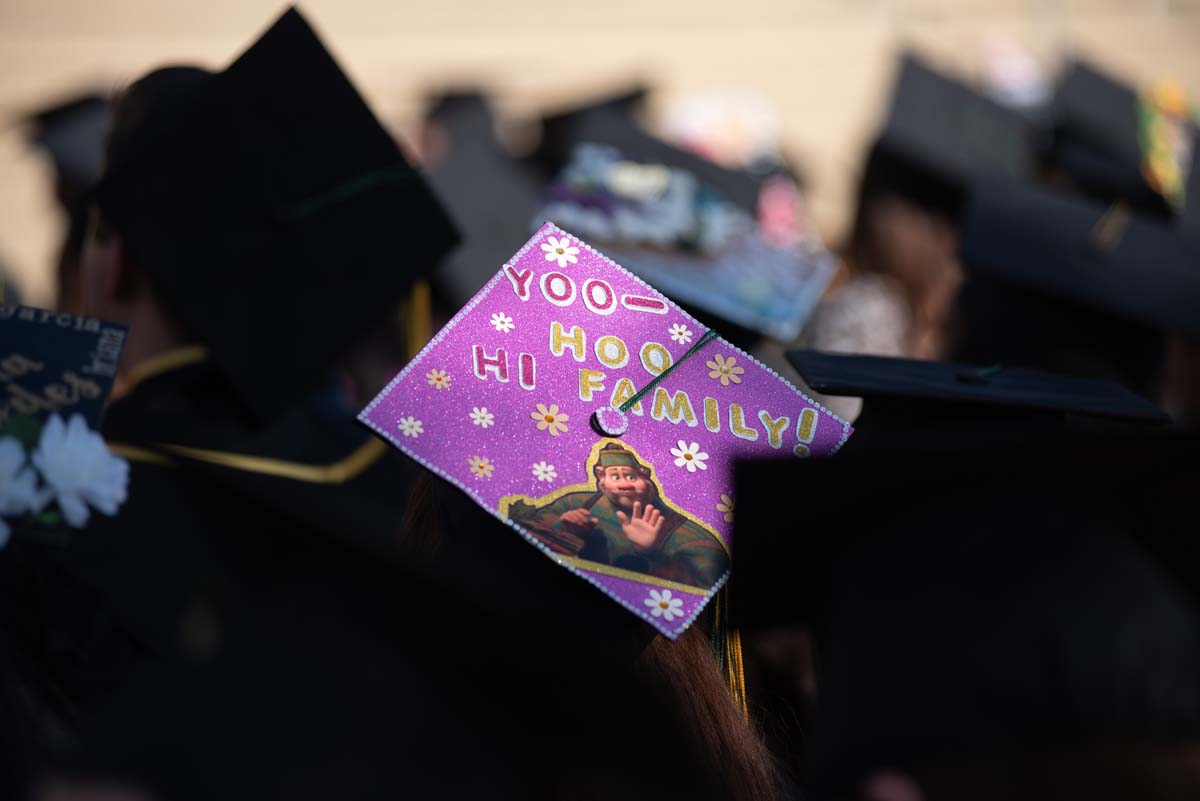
point(218, 507)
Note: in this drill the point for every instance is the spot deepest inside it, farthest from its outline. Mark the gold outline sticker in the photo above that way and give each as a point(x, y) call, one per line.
point(506, 502)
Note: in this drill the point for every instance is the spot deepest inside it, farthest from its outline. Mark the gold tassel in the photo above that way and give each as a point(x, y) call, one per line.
point(728, 647)
point(420, 317)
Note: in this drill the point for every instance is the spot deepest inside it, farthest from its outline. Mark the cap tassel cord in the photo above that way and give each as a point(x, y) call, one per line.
point(709, 336)
point(727, 647)
point(346, 190)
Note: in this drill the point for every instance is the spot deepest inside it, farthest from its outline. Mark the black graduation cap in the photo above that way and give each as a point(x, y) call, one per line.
point(913, 395)
point(979, 594)
point(1095, 139)
point(492, 196)
point(613, 123)
point(560, 128)
point(73, 132)
point(1062, 282)
point(276, 217)
point(940, 133)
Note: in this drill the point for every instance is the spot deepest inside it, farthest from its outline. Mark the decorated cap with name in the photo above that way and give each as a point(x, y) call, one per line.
point(56, 371)
point(574, 402)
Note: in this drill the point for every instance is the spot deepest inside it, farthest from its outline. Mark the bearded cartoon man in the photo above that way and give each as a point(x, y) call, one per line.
point(625, 523)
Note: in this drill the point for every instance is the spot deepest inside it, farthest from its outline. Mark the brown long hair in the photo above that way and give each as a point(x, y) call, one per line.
point(685, 672)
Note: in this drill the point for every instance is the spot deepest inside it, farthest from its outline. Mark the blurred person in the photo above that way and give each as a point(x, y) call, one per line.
point(460, 542)
point(357, 676)
point(1028, 628)
point(1181, 385)
point(73, 134)
point(1112, 143)
point(250, 226)
point(901, 257)
point(1059, 282)
point(928, 401)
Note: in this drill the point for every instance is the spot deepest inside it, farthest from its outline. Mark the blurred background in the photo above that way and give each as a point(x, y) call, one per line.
point(812, 75)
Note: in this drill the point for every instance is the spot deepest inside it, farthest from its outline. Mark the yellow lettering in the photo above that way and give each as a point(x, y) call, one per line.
point(655, 358)
point(737, 424)
point(712, 417)
point(15, 364)
point(612, 351)
point(774, 427)
point(590, 381)
point(577, 340)
point(806, 425)
point(674, 409)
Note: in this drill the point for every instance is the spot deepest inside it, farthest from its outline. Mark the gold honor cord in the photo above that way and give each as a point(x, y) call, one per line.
point(156, 365)
point(338, 472)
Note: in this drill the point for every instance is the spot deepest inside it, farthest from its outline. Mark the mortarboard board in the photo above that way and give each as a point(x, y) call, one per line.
point(73, 134)
point(491, 195)
point(984, 593)
point(939, 134)
point(1098, 283)
point(275, 216)
point(568, 397)
point(1104, 137)
point(708, 236)
point(561, 128)
point(913, 395)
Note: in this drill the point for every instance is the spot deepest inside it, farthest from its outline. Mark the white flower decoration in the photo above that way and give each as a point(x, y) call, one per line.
point(18, 485)
point(544, 472)
point(560, 250)
point(551, 419)
point(681, 334)
point(411, 427)
point(79, 470)
point(481, 417)
point(502, 322)
point(438, 379)
point(689, 456)
point(481, 466)
point(663, 605)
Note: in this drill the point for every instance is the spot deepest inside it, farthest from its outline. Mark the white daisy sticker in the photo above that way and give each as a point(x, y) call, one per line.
point(689, 456)
point(481, 466)
point(411, 427)
point(481, 417)
point(438, 379)
point(560, 250)
point(502, 322)
point(680, 333)
point(544, 472)
point(550, 419)
point(663, 605)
